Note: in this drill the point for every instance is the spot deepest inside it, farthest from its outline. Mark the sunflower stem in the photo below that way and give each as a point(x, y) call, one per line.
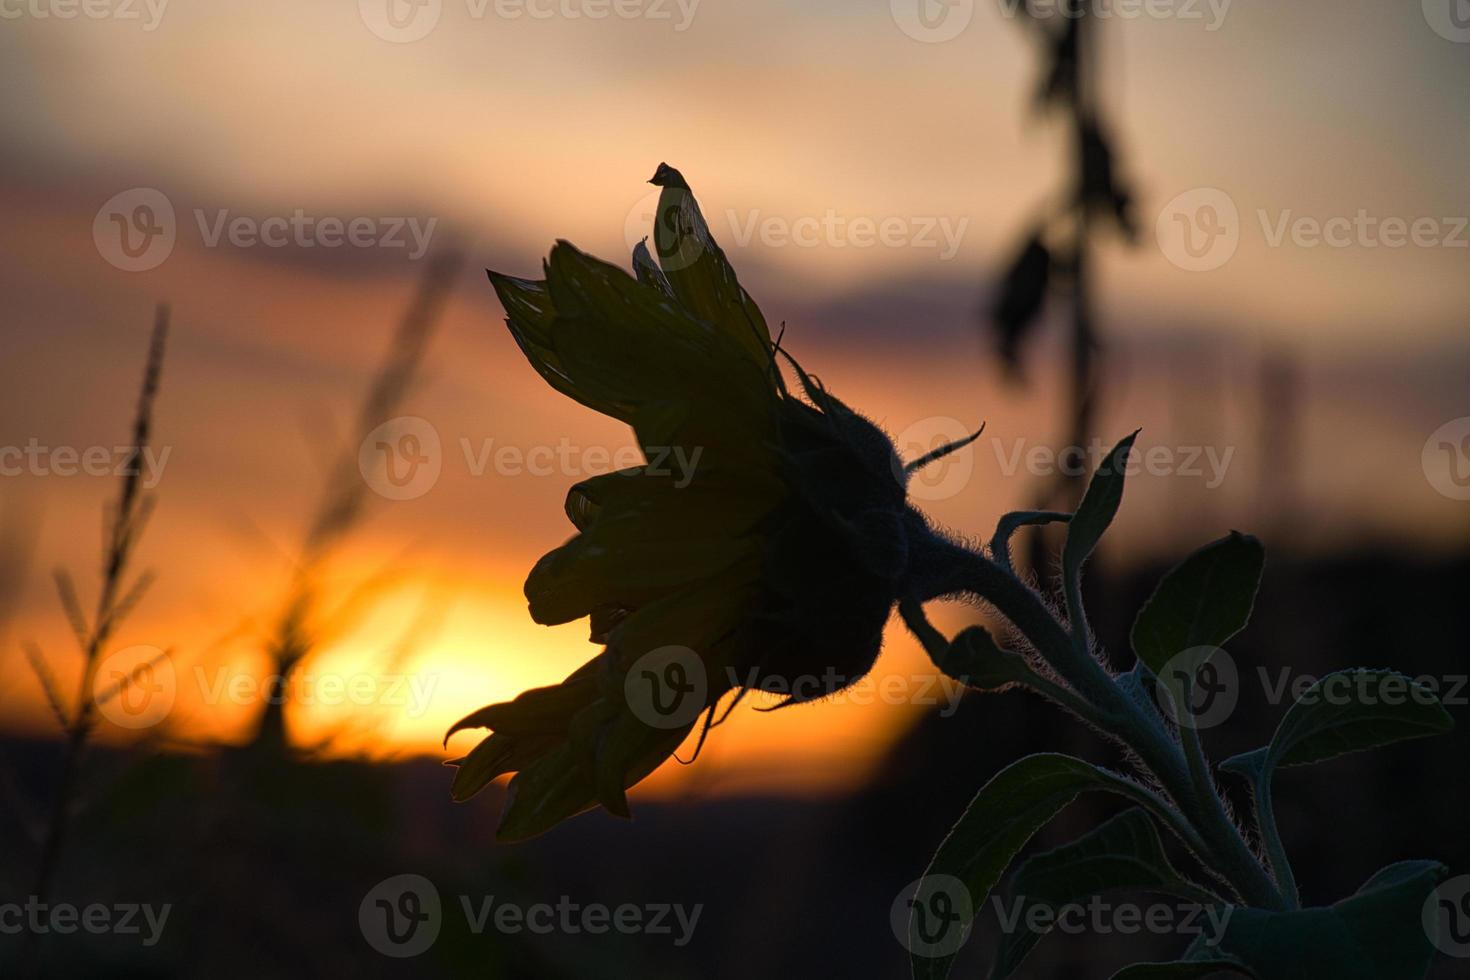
point(940, 568)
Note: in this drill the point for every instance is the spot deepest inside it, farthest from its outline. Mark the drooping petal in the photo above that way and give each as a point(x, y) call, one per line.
point(529, 314)
point(697, 270)
point(621, 566)
point(539, 711)
point(648, 271)
point(493, 757)
point(625, 343)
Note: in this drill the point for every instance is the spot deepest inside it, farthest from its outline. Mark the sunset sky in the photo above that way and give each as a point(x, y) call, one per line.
point(503, 133)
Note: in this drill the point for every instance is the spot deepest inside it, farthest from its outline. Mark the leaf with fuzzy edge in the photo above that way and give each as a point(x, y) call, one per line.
point(1098, 508)
point(1203, 601)
point(1016, 803)
point(1124, 852)
point(1385, 707)
point(1375, 934)
point(973, 658)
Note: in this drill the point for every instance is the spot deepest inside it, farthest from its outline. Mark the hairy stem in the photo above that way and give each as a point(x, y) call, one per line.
point(942, 568)
point(1271, 839)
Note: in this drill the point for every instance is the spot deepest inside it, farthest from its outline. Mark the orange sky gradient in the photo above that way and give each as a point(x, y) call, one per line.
point(511, 134)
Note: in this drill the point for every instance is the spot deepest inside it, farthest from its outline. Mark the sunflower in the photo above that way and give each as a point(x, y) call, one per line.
point(776, 559)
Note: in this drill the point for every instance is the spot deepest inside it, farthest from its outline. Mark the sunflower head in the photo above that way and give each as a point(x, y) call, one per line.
point(762, 543)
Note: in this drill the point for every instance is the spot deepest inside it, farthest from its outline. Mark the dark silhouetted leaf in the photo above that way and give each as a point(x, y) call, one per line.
point(1101, 189)
point(1203, 601)
point(1383, 707)
point(1021, 296)
point(1376, 934)
point(973, 658)
point(1008, 810)
point(1122, 853)
point(1098, 508)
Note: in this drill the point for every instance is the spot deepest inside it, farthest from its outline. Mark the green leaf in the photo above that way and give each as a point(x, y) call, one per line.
point(1346, 711)
point(1203, 601)
point(973, 658)
point(1008, 810)
point(1123, 853)
point(1097, 510)
point(1384, 707)
point(1000, 542)
point(1376, 934)
point(1181, 970)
